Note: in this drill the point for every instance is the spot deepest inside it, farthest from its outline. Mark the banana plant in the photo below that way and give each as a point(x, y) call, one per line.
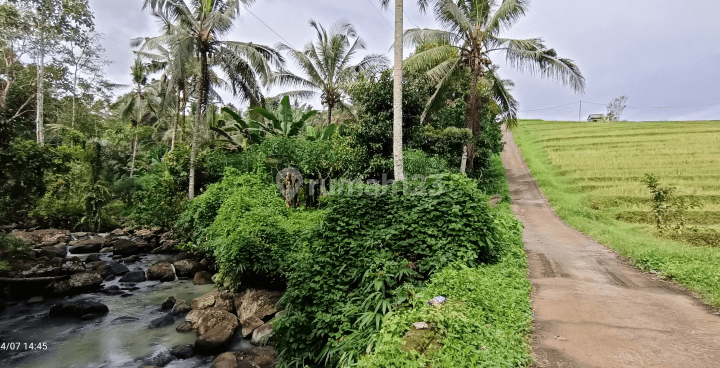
point(283, 122)
point(315, 134)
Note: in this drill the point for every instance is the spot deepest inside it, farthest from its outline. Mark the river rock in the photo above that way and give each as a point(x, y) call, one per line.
point(44, 237)
point(78, 282)
point(163, 321)
point(135, 276)
point(131, 259)
point(92, 258)
point(72, 266)
point(187, 268)
point(95, 264)
point(126, 248)
point(159, 360)
point(77, 309)
point(182, 351)
point(162, 271)
point(249, 325)
point(3, 305)
point(45, 268)
point(217, 299)
point(124, 320)
point(35, 300)
point(226, 360)
point(185, 327)
point(261, 336)
point(107, 250)
point(202, 278)
point(258, 303)
point(117, 269)
point(181, 307)
point(169, 303)
point(216, 329)
point(53, 251)
point(88, 246)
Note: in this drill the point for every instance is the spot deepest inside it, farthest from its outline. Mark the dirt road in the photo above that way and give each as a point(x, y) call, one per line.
point(592, 308)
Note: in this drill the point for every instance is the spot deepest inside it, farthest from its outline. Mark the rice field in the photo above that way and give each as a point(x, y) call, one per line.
point(606, 162)
point(591, 174)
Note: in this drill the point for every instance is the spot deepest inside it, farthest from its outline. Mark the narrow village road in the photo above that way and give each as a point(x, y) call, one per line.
point(592, 308)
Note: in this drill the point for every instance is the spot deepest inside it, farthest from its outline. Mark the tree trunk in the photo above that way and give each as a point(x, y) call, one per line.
point(330, 108)
point(398, 94)
point(177, 122)
point(39, 126)
point(74, 96)
point(463, 160)
point(202, 101)
point(472, 116)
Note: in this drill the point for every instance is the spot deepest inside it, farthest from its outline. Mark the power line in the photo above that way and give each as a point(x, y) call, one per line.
point(549, 108)
point(380, 14)
point(408, 18)
point(657, 107)
point(261, 21)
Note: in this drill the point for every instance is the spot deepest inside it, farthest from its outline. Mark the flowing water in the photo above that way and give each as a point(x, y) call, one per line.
point(122, 338)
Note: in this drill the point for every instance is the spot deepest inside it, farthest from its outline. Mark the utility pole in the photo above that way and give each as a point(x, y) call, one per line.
point(580, 113)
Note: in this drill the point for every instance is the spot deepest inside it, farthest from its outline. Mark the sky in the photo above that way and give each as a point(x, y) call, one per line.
point(660, 53)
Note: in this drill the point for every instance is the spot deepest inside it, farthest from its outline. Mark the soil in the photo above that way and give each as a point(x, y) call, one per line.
point(593, 309)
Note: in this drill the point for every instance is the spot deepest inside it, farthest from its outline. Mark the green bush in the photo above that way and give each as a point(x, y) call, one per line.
point(244, 223)
point(158, 201)
point(420, 163)
point(12, 247)
point(367, 257)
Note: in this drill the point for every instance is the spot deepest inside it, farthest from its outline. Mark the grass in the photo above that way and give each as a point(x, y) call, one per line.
point(486, 321)
point(591, 174)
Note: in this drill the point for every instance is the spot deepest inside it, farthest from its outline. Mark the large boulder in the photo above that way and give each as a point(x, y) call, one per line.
point(261, 336)
point(215, 329)
point(71, 266)
point(202, 278)
point(88, 246)
point(45, 268)
point(59, 251)
point(187, 268)
point(216, 299)
point(258, 303)
point(77, 309)
point(44, 237)
point(134, 276)
point(181, 307)
point(162, 271)
point(126, 247)
point(78, 282)
point(249, 325)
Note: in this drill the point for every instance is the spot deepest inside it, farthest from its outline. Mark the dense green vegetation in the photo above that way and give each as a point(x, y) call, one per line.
point(594, 176)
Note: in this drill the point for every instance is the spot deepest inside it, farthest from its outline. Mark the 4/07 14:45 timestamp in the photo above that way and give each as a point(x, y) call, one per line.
point(23, 346)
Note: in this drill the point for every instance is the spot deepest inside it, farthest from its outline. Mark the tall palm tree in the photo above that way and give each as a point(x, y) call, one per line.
point(470, 34)
point(327, 64)
point(399, 169)
point(246, 65)
point(138, 107)
point(175, 66)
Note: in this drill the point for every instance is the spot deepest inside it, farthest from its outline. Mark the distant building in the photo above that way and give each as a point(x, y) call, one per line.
point(596, 117)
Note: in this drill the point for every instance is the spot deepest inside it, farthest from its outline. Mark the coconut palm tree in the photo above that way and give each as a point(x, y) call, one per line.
point(470, 34)
point(247, 66)
point(138, 107)
point(175, 65)
point(397, 87)
point(327, 65)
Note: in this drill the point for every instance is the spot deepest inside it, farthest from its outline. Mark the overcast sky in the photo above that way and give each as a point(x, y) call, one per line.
point(661, 53)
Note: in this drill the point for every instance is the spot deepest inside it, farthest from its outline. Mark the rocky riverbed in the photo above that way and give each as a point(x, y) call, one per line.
point(126, 299)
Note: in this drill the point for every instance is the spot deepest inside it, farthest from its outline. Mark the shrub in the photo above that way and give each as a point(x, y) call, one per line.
point(12, 247)
point(420, 163)
point(159, 201)
point(367, 256)
point(244, 223)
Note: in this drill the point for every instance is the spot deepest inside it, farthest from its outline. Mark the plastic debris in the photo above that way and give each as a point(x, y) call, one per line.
point(438, 300)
